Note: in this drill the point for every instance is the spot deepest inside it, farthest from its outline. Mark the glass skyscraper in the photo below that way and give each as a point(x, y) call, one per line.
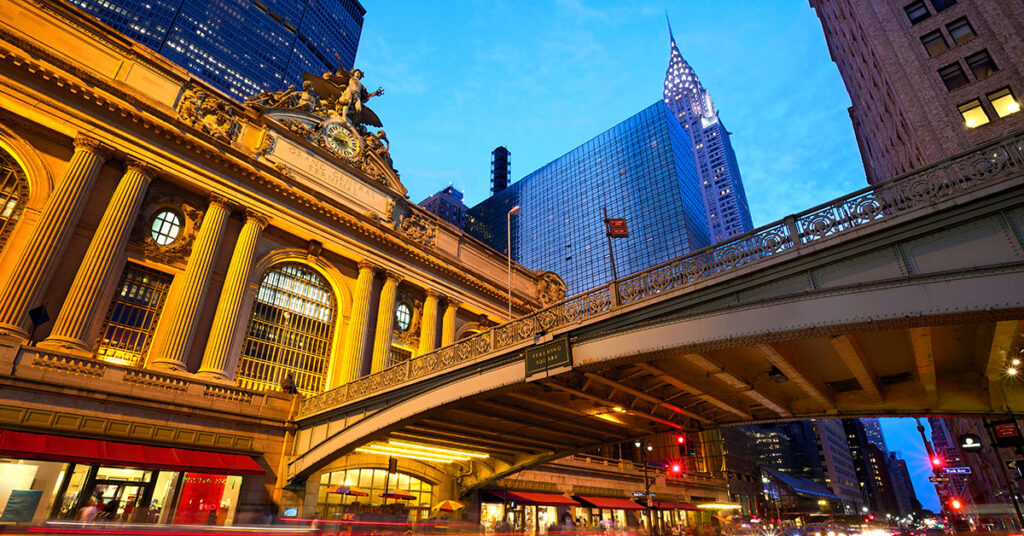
point(641, 169)
point(725, 202)
point(241, 47)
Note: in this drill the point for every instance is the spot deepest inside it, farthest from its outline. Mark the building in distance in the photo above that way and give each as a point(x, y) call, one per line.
point(447, 205)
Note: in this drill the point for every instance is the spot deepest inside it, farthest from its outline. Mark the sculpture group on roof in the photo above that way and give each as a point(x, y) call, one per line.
point(338, 99)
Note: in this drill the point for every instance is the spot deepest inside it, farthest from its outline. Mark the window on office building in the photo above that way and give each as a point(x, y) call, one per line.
point(974, 115)
point(942, 5)
point(961, 31)
point(953, 76)
point(981, 65)
point(13, 195)
point(934, 43)
point(131, 319)
point(1004, 102)
point(291, 331)
point(917, 12)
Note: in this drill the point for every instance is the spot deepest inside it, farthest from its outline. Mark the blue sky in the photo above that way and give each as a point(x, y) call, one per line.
point(463, 77)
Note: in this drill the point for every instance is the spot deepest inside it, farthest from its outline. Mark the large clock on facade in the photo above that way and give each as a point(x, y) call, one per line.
point(342, 139)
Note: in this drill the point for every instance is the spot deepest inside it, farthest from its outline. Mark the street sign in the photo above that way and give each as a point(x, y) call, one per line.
point(1007, 434)
point(548, 356)
point(970, 443)
point(957, 470)
point(617, 227)
point(938, 479)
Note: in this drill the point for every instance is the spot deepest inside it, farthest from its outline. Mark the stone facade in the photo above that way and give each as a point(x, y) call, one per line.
point(904, 115)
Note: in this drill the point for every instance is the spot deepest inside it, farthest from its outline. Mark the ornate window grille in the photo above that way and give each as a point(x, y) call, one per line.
point(13, 194)
point(131, 319)
point(291, 331)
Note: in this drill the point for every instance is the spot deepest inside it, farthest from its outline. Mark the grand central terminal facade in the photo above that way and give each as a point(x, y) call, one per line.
point(178, 270)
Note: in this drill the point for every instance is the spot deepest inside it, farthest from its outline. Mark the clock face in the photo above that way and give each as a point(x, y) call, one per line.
point(341, 140)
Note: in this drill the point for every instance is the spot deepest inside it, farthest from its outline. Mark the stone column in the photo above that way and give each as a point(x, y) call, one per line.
point(448, 322)
point(385, 321)
point(217, 364)
point(428, 324)
point(174, 334)
point(79, 313)
point(45, 248)
point(355, 337)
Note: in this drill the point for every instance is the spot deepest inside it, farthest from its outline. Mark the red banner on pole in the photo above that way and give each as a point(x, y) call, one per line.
point(617, 227)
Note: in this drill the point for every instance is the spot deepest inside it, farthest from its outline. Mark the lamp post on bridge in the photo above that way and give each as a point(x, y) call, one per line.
point(644, 449)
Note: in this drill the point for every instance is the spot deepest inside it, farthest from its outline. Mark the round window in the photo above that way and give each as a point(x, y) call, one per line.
point(166, 227)
point(403, 316)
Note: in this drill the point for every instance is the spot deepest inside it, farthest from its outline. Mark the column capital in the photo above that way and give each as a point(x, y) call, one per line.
point(433, 294)
point(140, 167)
point(220, 200)
point(93, 146)
point(453, 303)
point(391, 274)
point(260, 219)
point(367, 265)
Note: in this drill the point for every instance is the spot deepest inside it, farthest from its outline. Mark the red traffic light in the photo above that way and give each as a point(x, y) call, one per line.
point(681, 439)
point(955, 504)
point(676, 468)
point(936, 461)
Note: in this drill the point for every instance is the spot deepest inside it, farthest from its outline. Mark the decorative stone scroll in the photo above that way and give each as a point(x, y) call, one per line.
point(208, 114)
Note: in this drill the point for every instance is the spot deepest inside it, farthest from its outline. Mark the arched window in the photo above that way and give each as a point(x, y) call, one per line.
point(291, 331)
point(374, 481)
point(13, 195)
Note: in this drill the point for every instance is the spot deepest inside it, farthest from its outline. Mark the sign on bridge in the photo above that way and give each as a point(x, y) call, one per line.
point(548, 356)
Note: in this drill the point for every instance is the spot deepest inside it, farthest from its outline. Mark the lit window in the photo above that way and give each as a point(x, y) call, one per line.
point(1004, 102)
point(935, 43)
point(917, 12)
point(403, 316)
point(13, 194)
point(960, 30)
point(953, 76)
point(981, 65)
point(942, 5)
point(131, 319)
point(166, 227)
point(974, 114)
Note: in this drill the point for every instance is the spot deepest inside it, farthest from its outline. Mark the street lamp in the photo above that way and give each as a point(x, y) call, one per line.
point(511, 211)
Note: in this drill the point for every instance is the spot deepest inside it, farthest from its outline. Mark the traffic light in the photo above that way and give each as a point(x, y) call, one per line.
point(676, 469)
point(681, 439)
point(936, 462)
point(955, 504)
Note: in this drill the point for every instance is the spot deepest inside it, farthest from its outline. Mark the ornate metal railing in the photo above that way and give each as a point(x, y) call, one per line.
point(995, 162)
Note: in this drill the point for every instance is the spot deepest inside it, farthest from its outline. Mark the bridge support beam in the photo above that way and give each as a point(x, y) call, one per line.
point(921, 342)
point(853, 357)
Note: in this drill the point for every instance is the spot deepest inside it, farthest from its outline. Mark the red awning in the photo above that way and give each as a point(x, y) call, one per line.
point(669, 505)
point(545, 499)
point(94, 451)
point(611, 503)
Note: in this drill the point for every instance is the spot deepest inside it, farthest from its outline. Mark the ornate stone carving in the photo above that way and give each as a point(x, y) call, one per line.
point(93, 146)
point(419, 229)
point(550, 289)
point(411, 336)
point(266, 146)
point(191, 209)
point(261, 219)
point(208, 114)
point(133, 164)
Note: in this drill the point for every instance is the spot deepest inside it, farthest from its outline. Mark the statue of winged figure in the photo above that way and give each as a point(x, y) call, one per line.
point(345, 90)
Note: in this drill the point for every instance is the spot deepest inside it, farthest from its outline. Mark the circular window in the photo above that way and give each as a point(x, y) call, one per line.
point(403, 316)
point(166, 227)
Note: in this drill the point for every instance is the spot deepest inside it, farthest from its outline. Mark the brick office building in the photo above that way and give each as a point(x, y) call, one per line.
point(927, 78)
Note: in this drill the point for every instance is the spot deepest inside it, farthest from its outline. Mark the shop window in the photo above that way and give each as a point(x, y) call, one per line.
point(942, 5)
point(981, 65)
point(953, 76)
point(330, 506)
point(1004, 102)
point(291, 331)
point(917, 12)
point(935, 43)
point(13, 194)
point(974, 115)
point(128, 328)
point(961, 31)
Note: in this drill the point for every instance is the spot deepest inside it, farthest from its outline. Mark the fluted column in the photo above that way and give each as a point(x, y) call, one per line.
point(50, 237)
point(355, 337)
point(79, 313)
point(174, 334)
point(217, 363)
point(448, 322)
point(385, 321)
point(428, 324)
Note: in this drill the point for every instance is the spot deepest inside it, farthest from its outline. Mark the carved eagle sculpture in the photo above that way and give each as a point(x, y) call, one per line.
point(331, 87)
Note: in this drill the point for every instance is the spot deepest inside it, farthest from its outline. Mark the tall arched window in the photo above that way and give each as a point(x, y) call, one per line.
point(13, 195)
point(291, 331)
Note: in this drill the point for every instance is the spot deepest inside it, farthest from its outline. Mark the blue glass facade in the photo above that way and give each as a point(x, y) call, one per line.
point(242, 47)
point(641, 170)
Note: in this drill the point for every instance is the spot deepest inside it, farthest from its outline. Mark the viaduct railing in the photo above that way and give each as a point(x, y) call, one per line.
point(997, 161)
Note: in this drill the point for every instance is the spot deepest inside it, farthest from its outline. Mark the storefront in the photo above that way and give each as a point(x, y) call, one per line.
point(672, 513)
point(610, 514)
point(380, 493)
point(521, 511)
point(55, 477)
